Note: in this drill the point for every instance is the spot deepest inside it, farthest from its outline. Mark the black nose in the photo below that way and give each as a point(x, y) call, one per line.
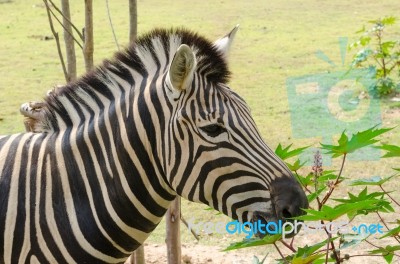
point(288, 198)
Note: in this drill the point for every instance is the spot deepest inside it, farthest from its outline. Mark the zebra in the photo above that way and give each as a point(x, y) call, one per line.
point(114, 148)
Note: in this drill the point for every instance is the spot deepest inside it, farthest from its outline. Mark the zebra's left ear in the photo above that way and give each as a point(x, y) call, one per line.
point(181, 70)
point(224, 44)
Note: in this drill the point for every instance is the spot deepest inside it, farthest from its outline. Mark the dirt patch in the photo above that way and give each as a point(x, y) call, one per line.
point(198, 254)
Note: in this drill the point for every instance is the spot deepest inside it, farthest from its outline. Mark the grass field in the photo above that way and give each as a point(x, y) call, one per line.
point(277, 40)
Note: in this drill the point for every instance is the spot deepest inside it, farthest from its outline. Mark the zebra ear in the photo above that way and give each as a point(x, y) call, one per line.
point(224, 44)
point(182, 68)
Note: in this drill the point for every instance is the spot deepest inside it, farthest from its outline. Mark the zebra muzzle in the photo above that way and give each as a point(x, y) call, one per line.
point(287, 201)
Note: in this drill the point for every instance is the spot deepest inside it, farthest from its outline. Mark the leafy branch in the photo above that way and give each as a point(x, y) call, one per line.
point(381, 55)
point(337, 241)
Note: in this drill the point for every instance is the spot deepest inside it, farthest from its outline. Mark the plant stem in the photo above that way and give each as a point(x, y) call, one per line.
point(337, 258)
point(280, 253)
point(327, 248)
point(379, 36)
point(384, 223)
point(380, 247)
point(288, 246)
point(391, 198)
point(291, 242)
point(372, 244)
point(335, 183)
point(364, 255)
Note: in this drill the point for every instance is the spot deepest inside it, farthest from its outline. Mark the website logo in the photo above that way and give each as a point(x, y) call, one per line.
point(285, 228)
point(322, 105)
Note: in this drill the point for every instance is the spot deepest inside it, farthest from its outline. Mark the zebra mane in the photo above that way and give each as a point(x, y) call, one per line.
point(210, 63)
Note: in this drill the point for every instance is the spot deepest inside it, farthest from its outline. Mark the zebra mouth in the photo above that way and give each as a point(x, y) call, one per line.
point(287, 201)
point(265, 224)
point(269, 224)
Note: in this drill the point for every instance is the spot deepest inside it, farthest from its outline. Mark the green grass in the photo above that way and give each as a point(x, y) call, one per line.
point(277, 40)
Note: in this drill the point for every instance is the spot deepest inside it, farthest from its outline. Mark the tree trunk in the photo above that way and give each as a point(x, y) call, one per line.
point(88, 46)
point(132, 20)
point(173, 239)
point(69, 41)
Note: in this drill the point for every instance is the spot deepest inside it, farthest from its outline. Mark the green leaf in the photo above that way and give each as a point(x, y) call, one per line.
point(387, 252)
point(364, 40)
point(308, 259)
point(322, 261)
point(252, 242)
point(361, 56)
point(363, 195)
point(375, 180)
point(328, 176)
point(387, 249)
point(285, 153)
point(311, 197)
point(308, 250)
point(305, 181)
point(392, 150)
point(390, 20)
point(305, 255)
point(382, 204)
point(331, 213)
point(387, 46)
point(388, 257)
point(393, 232)
point(353, 239)
point(296, 165)
point(257, 261)
point(362, 30)
point(357, 141)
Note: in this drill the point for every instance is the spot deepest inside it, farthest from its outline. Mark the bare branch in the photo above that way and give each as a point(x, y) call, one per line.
point(132, 20)
point(88, 45)
point(196, 236)
point(55, 34)
point(69, 21)
point(111, 24)
point(65, 29)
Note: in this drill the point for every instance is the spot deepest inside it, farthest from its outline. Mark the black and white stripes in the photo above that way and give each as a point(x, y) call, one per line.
point(117, 146)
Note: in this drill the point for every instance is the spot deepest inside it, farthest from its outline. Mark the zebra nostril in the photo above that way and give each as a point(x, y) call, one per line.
point(286, 214)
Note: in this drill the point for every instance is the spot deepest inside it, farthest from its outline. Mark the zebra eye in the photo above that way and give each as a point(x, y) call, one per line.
point(213, 130)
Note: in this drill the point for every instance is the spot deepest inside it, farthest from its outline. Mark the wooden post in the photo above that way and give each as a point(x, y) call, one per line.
point(173, 238)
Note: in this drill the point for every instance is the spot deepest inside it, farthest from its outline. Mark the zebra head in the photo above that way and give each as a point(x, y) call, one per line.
point(219, 157)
